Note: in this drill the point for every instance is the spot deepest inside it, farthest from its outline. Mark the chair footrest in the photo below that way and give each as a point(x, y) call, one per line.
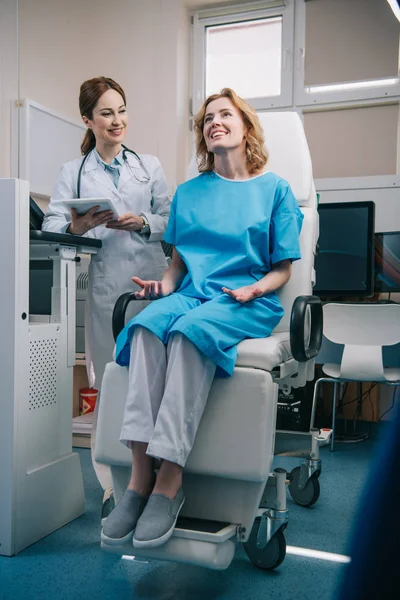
point(198, 542)
point(204, 530)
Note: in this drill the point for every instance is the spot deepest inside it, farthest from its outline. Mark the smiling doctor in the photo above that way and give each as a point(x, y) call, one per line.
point(132, 244)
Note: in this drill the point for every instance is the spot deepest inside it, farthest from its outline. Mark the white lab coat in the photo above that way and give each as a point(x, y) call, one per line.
point(123, 254)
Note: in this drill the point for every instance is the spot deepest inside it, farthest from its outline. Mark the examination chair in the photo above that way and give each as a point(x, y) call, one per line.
point(231, 496)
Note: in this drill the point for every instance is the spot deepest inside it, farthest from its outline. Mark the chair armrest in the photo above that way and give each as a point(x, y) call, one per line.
point(118, 318)
point(300, 351)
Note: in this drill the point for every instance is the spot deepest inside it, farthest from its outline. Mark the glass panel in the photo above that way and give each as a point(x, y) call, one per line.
point(347, 41)
point(245, 56)
point(354, 142)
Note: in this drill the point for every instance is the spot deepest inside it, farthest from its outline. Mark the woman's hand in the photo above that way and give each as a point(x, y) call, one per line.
point(127, 222)
point(272, 281)
point(80, 224)
point(245, 293)
point(151, 289)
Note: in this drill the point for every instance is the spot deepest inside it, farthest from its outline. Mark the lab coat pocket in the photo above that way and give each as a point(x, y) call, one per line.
point(100, 292)
point(99, 285)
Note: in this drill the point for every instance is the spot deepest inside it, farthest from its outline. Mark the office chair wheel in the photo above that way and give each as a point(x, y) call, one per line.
point(272, 555)
point(107, 506)
point(309, 495)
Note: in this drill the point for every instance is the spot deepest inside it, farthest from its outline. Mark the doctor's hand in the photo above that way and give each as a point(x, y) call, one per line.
point(245, 293)
point(80, 224)
point(127, 222)
point(151, 289)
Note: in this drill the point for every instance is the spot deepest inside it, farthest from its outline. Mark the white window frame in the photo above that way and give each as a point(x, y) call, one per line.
point(235, 14)
point(368, 90)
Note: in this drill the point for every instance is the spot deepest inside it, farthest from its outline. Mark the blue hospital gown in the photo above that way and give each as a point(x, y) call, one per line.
point(228, 233)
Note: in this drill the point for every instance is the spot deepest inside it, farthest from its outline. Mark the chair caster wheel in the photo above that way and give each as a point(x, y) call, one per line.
point(309, 495)
point(272, 555)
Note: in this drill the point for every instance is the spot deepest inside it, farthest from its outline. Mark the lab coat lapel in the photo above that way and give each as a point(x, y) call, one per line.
point(96, 171)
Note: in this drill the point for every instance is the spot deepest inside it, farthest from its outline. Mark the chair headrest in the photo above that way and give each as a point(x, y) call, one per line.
point(289, 156)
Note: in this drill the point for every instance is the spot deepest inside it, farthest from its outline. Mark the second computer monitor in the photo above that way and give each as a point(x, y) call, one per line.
point(345, 260)
point(387, 262)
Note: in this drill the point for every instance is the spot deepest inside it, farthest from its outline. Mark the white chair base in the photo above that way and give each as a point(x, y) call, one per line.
point(226, 475)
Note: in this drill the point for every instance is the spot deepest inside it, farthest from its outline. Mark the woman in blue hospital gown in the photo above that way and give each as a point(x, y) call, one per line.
point(235, 231)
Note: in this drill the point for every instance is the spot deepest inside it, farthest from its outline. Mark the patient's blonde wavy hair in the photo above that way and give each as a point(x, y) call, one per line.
point(256, 153)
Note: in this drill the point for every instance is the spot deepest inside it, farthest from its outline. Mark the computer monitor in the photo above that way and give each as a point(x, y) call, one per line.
point(35, 215)
point(387, 262)
point(345, 258)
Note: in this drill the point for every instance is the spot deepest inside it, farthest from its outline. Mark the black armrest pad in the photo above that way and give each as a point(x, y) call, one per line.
point(64, 238)
point(300, 351)
point(118, 318)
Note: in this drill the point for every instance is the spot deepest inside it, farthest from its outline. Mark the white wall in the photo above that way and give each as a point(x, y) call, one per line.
point(8, 78)
point(353, 142)
point(143, 45)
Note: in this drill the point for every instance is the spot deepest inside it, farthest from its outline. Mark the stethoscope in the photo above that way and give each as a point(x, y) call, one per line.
point(124, 151)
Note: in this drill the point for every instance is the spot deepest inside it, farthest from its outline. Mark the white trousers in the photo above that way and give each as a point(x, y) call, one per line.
point(168, 391)
point(103, 472)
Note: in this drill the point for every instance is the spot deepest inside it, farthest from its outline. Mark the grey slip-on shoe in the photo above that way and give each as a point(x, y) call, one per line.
point(120, 524)
point(158, 520)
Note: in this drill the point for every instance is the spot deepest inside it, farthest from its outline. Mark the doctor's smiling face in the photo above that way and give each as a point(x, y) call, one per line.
point(109, 119)
point(224, 128)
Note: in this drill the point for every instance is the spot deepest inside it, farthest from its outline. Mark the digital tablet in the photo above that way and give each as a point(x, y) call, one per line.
point(82, 205)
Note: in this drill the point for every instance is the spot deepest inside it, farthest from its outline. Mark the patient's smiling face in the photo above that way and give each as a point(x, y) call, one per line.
point(224, 129)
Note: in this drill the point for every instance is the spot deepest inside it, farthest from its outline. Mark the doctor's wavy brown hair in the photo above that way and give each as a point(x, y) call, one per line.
point(256, 153)
point(89, 95)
